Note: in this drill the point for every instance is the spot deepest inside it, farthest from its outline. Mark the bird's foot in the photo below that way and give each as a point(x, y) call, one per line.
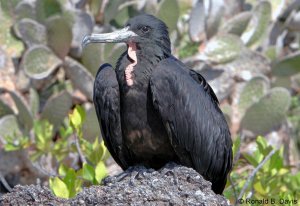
point(136, 173)
point(133, 173)
point(168, 171)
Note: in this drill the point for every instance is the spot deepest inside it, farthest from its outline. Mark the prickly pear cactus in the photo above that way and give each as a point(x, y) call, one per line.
point(31, 32)
point(5, 109)
point(237, 24)
point(252, 92)
point(59, 35)
point(57, 108)
point(267, 113)
point(9, 126)
point(223, 48)
point(47, 8)
point(39, 62)
point(91, 128)
point(80, 77)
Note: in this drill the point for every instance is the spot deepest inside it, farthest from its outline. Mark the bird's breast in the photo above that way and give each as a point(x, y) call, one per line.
point(143, 130)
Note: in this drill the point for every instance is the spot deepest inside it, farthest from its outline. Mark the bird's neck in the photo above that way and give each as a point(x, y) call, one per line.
point(144, 58)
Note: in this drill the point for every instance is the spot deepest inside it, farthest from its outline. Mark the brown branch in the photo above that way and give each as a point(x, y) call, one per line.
point(81, 156)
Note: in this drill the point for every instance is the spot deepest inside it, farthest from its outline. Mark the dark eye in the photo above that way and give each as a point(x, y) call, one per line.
point(145, 29)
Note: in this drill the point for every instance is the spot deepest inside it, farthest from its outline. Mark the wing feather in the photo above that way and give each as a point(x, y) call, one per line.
point(107, 104)
point(197, 128)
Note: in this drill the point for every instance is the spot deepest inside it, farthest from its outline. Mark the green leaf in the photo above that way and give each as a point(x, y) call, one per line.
point(236, 145)
point(223, 48)
point(100, 171)
point(43, 134)
point(70, 180)
point(259, 188)
point(62, 170)
point(36, 155)
point(77, 117)
point(261, 143)
point(88, 172)
point(59, 188)
point(251, 159)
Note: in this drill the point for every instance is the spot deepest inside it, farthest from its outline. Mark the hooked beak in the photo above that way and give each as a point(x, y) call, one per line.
point(118, 36)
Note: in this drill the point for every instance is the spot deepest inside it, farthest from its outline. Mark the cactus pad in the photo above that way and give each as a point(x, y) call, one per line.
point(265, 115)
point(39, 62)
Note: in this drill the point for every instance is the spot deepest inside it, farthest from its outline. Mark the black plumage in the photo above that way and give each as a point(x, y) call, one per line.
point(152, 109)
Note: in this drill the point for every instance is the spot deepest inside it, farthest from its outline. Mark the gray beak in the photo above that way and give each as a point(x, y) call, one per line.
point(118, 36)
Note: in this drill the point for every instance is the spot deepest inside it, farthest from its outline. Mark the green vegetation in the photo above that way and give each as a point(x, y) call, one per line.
point(248, 50)
point(68, 182)
point(270, 178)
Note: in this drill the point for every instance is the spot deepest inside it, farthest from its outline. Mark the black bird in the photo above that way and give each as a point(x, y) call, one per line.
point(152, 109)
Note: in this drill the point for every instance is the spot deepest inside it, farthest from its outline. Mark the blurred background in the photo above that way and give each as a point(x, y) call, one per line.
point(248, 50)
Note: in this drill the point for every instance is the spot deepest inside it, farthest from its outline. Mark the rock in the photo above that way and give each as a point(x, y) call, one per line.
point(171, 185)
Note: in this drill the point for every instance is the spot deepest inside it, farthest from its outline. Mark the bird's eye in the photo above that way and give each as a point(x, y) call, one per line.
point(145, 29)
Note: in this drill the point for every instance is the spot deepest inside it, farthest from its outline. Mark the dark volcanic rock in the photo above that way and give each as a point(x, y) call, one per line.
point(172, 185)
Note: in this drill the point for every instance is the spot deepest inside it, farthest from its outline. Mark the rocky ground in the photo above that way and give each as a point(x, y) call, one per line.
point(172, 185)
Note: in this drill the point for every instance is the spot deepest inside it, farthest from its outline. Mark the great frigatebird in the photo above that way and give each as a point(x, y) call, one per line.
point(152, 109)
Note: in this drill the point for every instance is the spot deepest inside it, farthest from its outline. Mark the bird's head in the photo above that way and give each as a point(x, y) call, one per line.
point(143, 32)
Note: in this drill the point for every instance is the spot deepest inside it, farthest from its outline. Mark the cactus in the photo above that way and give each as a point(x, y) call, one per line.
point(25, 10)
point(34, 101)
point(83, 25)
point(223, 48)
point(111, 9)
point(59, 35)
point(80, 77)
point(168, 11)
point(47, 8)
point(258, 25)
point(9, 126)
point(91, 128)
point(24, 115)
point(91, 58)
point(197, 22)
point(57, 108)
point(237, 24)
point(5, 109)
point(31, 32)
point(39, 62)
point(8, 7)
point(287, 66)
point(253, 92)
point(267, 113)
point(247, 65)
